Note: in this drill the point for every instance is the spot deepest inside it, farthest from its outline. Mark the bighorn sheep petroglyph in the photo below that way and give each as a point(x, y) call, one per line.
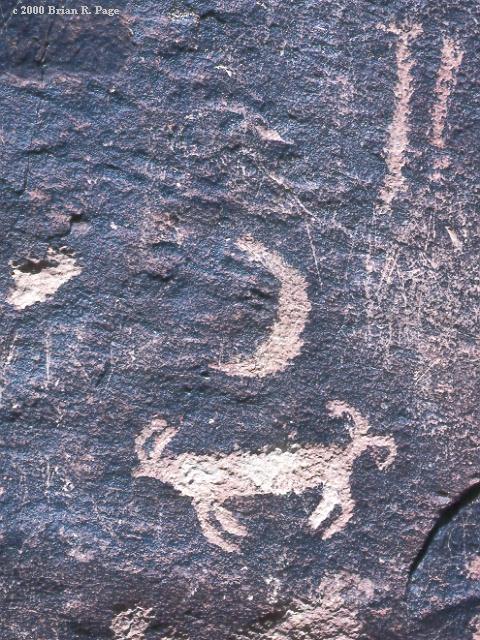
point(210, 480)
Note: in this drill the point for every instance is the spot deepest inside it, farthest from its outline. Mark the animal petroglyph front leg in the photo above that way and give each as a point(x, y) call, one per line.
point(284, 342)
point(330, 499)
point(346, 504)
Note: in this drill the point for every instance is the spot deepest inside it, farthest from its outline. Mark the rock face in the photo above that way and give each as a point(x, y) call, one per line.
point(240, 309)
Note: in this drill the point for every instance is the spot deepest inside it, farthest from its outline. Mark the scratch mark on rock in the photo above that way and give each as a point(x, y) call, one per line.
point(457, 243)
point(314, 253)
point(48, 358)
point(270, 135)
point(6, 365)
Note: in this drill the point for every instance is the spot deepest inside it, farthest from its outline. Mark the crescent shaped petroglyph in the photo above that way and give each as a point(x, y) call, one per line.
point(284, 342)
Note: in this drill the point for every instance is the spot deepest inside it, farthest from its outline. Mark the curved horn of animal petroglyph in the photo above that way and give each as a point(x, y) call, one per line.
point(379, 442)
point(161, 434)
point(338, 409)
point(284, 342)
point(360, 430)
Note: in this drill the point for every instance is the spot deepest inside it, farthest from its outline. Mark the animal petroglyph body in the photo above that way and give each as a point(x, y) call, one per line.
point(210, 480)
point(284, 342)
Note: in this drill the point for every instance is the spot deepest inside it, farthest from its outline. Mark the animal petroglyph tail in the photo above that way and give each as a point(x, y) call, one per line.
point(210, 480)
point(38, 286)
point(399, 130)
point(284, 342)
point(452, 56)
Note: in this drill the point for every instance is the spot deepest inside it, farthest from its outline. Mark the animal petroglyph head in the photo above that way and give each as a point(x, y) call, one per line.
point(383, 449)
point(338, 409)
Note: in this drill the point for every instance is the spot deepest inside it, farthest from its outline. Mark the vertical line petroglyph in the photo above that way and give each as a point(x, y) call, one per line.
point(399, 129)
point(452, 56)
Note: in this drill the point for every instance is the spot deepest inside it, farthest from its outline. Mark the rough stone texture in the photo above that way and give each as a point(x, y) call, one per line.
point(195, 192)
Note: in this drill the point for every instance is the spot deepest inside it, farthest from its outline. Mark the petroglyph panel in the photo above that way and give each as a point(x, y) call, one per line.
point(217, 217)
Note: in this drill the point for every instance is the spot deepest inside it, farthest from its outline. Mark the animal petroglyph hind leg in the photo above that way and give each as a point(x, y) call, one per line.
point(205, 514)
point(331, 498)
point(329, 501)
